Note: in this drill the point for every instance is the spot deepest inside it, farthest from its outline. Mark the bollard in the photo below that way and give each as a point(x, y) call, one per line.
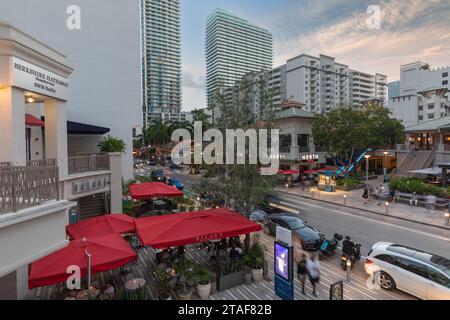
point(349, 269)
point(387, 207)
point(345, 199)
point(447, 220)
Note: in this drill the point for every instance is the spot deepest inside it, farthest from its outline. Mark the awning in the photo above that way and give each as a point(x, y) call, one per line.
point(186, 228)
point(433, 171)
point(107, 253)
point(151, 190)
point(32, 121)
point(326, 169)
point(101, 226)
point(83, 128)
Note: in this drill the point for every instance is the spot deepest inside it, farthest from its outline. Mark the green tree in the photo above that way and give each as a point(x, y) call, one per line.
point(112, 144)
point(242, 185)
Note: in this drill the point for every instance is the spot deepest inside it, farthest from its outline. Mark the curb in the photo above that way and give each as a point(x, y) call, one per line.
point(370, 211)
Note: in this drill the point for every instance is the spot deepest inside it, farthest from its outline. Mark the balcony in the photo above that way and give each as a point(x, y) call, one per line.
point(285, 150)
point(25, 187)
point(82, 163)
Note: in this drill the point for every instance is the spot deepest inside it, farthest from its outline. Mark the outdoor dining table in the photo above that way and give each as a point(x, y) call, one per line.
point(134, 284)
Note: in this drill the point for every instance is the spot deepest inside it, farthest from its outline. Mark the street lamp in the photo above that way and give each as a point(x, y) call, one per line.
point(385, 166)
point(367, 156)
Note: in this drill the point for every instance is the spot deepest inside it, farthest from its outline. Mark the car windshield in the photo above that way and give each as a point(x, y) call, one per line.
point(295, 223)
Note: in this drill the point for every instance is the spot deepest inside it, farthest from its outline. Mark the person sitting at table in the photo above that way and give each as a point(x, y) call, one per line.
point(234, 252)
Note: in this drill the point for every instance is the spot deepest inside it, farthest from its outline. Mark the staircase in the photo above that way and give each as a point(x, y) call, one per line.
point(415, 160)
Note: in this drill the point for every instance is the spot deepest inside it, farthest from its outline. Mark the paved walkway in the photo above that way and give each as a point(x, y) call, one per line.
point(353, 199)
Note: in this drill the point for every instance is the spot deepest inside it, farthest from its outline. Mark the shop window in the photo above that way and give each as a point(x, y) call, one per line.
point(285, 140)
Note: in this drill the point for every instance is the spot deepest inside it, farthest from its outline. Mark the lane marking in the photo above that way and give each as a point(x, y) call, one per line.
point(373, 220)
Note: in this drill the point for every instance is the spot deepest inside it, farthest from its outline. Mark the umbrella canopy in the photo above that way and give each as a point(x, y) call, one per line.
point(432, 171)
point(100, 226)
point(181, 229)
point(288, 172)
point(107, 253)
point(150, 190)
point(326, 169)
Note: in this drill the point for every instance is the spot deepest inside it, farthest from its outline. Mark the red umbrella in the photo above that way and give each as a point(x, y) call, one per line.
point(107, 253)
point(181, 229)
point(288, 172)
point(100, 226)
point(150, 190)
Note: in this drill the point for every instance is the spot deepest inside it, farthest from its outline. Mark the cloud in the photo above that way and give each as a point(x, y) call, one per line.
point(410, 30)
point(189, 81)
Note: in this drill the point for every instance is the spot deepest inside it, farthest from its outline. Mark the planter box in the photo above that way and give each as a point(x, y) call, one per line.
point(230, 281)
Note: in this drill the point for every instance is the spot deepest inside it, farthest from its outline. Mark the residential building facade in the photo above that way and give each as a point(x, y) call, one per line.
point(423, 94)
point(234, 47)
point(161, 60)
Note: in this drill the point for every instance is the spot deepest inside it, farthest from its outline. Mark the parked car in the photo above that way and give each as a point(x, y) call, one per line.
point(176, 183)
point(258, 215)
point(157, 175)
point(310, 238)
point(424, 275)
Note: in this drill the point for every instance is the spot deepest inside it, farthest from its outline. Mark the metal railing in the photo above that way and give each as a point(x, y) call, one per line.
point(285, 149)
point(42, 163)
point(5, 164)
point(91, 163)
point(25, 187)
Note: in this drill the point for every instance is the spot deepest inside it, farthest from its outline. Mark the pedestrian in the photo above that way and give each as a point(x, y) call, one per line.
point(414, 201)
point(302, 181)
point(365, 194)
point(313, 267)
point(431, 201)
point(302, 271)
point(395, 196)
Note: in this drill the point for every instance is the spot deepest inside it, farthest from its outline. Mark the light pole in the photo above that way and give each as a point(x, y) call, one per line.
point(367, 156)
point(385, 166)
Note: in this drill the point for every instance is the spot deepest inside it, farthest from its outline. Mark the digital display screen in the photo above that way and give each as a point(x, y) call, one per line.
point(282, 262)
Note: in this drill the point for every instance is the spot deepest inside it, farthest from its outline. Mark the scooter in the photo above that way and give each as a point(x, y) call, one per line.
point(349, 260)
point(329, 247)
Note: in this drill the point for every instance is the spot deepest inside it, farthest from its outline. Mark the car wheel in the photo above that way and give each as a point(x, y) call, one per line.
point(386, 281)
point(267, 230)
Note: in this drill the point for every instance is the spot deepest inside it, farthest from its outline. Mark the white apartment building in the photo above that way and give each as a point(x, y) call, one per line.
point(423, 94)
point(105, 55)
point(39, 195)
point(323, 84)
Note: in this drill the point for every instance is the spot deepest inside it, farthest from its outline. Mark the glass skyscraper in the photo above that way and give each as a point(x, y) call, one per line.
point(234, 47)
point(161, 59)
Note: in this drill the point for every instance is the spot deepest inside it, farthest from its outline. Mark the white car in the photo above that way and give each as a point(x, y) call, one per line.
point(422, 274)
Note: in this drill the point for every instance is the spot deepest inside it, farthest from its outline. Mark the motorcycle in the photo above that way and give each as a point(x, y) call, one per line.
point(329, 247)
point(350, 259)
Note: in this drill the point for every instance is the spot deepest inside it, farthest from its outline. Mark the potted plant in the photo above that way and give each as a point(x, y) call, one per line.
point(184, 269)
point(162, 282)
point(256, 253)
point(203, 276)
point(247, 262)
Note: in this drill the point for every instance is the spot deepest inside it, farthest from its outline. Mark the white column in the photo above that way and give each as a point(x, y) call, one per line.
point(56, 134)
point(12, 126)
point(115, 166)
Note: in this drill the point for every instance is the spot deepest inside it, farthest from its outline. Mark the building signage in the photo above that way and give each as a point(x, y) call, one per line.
point(309, 158)
point(88, 185)
point(36, 79)
point(207, 237)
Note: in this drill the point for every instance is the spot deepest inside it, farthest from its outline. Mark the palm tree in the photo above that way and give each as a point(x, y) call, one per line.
point(112, 144)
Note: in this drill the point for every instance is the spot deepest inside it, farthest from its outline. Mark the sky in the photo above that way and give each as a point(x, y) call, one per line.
point(409, 30)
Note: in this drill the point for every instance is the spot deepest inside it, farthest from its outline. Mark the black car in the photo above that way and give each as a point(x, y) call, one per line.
point(157, 175)
point(310, 238)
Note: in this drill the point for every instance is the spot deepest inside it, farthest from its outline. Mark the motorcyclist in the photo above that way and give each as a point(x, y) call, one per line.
point(348, 246)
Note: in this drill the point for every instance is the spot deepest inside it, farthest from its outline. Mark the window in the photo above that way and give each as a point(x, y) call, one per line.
point(285, 140)
point(420, 118)
point(438, 277)
point(431, 116)
point(431, 106)
point(445, 82)
point(445, 74)
point(420, 108)
point(303, 140)
point(386, 258)
point(412, 266)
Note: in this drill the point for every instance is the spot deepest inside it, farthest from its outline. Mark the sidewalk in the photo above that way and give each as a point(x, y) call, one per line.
point(353, 199)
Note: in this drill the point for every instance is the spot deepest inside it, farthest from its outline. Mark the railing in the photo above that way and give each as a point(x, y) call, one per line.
point(285, 150)
point(25, 187)
point(91, 163)
point(304, 149)
point(403, 147)
point(42, 163)
point(5, 164)
point(444, 148)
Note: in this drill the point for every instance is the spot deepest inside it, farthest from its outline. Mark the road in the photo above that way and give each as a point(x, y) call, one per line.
point(331, 219)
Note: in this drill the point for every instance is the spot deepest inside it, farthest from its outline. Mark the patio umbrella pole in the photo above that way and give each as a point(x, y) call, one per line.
point(89, 271)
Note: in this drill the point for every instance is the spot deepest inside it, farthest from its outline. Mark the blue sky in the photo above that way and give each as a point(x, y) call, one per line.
point(410, 30)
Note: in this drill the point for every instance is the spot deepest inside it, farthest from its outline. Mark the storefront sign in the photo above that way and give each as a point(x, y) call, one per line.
point(36, 79)
point(337, 291)
point(309, 158)
point(284, 235)
point(88, 185)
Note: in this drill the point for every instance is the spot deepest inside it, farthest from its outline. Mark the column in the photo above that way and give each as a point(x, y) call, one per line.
point(56, 134)
point(115, 166)
point(444, 177)
point(12, 126)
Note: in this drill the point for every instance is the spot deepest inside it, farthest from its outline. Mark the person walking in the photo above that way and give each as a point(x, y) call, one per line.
point(302, 271)
point(313, 268)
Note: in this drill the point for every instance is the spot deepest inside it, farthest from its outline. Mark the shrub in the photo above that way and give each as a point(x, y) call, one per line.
point(411, 185)
point(348, 182)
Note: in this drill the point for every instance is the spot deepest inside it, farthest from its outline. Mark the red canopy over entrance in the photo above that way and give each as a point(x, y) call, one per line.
point(107, 253)
point(181, 229)
point(150, 190)
point(100, 226)
point(32, 121)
